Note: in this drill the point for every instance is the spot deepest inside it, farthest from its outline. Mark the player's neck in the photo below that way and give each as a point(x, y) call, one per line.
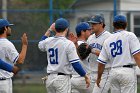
point(119, 29)
point(3, 36)
point(99, 32)
point(60, 34)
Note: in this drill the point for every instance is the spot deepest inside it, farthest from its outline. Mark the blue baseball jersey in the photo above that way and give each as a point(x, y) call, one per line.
point(61, 52)
point(119, 49)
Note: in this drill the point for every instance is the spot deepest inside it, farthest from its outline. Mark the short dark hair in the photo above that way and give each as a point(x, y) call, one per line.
point(104, 25)
point(2, 30)
point(120, 25)
point(79, 34)
point(60, 29)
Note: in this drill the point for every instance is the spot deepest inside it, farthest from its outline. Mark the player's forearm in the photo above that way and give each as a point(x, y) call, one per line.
point(22, 55)
point(137, 59)
point(78, 68)
point(6, 66)
point(96, 52)
point(48, 32)
point(100, 70)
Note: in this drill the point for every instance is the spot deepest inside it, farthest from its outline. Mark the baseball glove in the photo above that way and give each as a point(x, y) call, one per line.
point(83, 51)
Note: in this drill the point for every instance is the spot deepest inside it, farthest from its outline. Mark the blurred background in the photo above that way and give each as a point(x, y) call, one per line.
point(35, 16)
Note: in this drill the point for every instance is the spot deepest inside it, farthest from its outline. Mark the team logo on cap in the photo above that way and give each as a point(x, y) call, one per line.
point(93, 16)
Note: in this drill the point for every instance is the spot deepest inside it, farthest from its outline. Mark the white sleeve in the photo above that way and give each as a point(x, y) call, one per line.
point(103, 57)
point(72, 53)
point(134, 44)
point(88, 40)
point(42, 45)
point(11, 53)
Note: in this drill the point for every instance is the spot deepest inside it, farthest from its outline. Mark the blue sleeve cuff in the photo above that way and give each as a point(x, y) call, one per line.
point(135, 52)
point(79, 69)
point(100, 61)
point(43, 37)
point(6, 66)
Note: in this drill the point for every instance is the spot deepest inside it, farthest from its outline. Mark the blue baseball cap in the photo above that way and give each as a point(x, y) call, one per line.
point(4, 22)
point(96, 19)
point(82, 26)
point(61, 23)
point(119, 18)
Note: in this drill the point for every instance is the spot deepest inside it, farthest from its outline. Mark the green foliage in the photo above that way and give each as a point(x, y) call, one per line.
point(62, 4)
point(39, 4)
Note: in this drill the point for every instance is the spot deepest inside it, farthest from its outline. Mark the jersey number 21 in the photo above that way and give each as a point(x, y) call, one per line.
point(116, 48)
point(53, 55)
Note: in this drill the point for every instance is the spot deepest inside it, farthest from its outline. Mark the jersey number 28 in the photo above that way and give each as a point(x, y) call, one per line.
point(116, 48)
point(53, 55)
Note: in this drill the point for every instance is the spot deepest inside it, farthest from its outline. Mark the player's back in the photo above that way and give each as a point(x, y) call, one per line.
point(119, 48)
point(57, 53)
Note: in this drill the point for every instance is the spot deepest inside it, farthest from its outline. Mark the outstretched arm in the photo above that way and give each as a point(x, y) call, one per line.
point(22, 54)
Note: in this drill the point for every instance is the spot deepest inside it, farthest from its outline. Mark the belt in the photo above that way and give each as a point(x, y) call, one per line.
point(57, 73)
point(129, 66)
point(2, 78)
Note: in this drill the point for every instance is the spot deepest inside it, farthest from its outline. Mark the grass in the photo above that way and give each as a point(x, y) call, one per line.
point(29, 88)
point(36, 88)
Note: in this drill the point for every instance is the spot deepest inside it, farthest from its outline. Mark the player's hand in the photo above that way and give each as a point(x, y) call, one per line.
point(96, 52)
point(72, 37)
point(15, 69)
point(51, 29)
point(87, 81)
point(24, 39)
point(98, 82)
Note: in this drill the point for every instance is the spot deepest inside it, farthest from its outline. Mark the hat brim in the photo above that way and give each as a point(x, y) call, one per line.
point(93, 22)
point(11, 24)
point(89, 29)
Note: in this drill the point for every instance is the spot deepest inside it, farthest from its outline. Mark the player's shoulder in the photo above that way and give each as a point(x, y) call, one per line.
point(106, 33)
point(80, 42)
point(47, 40)
point(109, 38)
point(69, 41)
point(129, 34)
point(91, 37)
point(7, 42)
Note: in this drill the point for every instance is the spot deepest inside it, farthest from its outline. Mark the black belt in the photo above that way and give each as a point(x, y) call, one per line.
point(129, 66)
point(2, 78)
point(57, 73)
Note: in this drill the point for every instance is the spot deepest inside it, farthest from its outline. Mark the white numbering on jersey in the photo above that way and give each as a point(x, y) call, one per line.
point(116, 48)
point(53, 55)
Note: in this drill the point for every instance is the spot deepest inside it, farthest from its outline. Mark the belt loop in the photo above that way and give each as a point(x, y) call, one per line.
point(2, 78)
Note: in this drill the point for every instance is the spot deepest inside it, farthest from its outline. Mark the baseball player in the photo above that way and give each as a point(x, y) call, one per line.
point(122, 49)
point(96, 42)
point(62, 56)
point(9, 54)
point(83, 31)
